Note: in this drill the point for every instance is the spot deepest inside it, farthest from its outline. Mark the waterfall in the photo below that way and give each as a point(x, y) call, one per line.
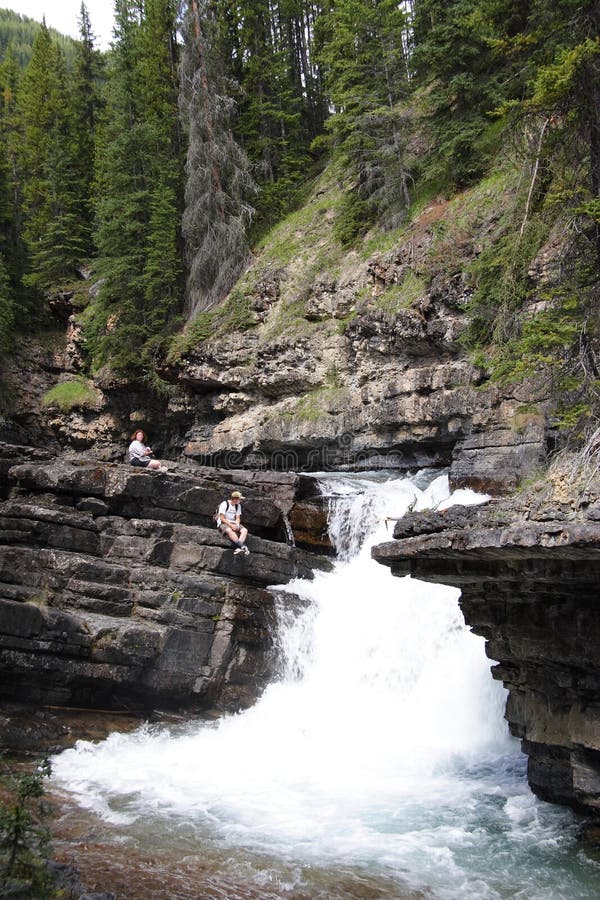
point(381, 748)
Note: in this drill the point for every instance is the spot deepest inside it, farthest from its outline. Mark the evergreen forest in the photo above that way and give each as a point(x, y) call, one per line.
point(161, 164)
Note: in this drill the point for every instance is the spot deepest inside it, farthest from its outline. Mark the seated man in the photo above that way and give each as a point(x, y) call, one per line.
point(229, 522)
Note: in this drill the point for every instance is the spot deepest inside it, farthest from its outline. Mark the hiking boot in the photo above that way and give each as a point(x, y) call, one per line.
point(246, 551)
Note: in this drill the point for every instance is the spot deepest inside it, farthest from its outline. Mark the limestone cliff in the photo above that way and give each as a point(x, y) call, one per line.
point(320, 358)
point(528, 571)
point(117, 590)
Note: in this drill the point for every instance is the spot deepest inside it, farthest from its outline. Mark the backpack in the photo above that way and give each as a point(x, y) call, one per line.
point(216, 518)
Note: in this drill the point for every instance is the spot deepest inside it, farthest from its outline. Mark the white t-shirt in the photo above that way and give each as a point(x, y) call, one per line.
point(137, 450)
point(230, 510)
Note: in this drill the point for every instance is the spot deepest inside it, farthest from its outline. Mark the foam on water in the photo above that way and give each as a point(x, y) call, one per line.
point(382, 745)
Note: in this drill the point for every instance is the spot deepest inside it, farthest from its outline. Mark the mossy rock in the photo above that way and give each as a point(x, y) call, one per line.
point(77, 393)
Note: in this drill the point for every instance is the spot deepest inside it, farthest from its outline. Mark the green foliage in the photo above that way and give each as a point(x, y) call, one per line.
point(55, 226)
point(543, 341)
point(363, 53)
point(570, 417)
point(451, 59)
point(12, 250)
point(85, 108)
point(592, 209)
point(24, 841)
point(269, 49)
point(500, 274)
point(234, 314)
point(18, 34)
point(554, 343)
point(397, 297)
point(78, 393)
point(353, 218)
point(561, 101)
point(314, 405)
point(140, 193)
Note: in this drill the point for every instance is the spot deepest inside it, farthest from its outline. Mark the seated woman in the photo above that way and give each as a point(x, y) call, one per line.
point(139, 452)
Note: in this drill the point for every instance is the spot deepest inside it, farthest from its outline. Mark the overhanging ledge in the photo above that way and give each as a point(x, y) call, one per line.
point(529, 575)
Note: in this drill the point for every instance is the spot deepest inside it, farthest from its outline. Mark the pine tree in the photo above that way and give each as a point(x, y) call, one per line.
point(458, 58)
point(139, 185)
point(268, 46)
point(11, 249)
point(217, 209)
point(563, 95)
point(53, 231)
point(267, 52)
point(363, 52)
point(85, 107)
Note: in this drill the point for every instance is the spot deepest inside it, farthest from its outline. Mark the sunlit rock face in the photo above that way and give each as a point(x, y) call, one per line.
point(393, 390)
point(329, 376)
point(529, 574)
point(117, 590)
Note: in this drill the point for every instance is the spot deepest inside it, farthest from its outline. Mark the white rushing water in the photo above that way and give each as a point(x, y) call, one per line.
point(381, 748)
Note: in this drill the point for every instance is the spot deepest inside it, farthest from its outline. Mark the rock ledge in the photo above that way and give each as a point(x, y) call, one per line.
point(529, 573)
point(117, 590)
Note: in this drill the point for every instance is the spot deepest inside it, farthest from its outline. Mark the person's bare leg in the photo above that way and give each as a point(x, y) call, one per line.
point(232, 535)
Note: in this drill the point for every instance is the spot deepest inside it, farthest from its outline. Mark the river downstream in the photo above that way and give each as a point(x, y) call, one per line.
point(377, 765)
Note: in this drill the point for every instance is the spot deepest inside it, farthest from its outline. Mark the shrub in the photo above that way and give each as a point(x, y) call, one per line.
point(24, 840)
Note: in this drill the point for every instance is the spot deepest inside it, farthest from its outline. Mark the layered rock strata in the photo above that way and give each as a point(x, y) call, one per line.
point(529, 578)
point(308, 370)
point(117, 590)
point(393, 390)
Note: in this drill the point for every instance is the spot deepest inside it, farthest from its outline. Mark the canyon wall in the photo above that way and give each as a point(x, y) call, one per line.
point(118, 591)
point(357, 361)
point(528, 572)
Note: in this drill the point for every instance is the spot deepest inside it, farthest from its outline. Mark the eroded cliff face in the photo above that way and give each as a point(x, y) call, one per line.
point(117, 590)
point(529, 573)
point(364, 369)
point(328, 359)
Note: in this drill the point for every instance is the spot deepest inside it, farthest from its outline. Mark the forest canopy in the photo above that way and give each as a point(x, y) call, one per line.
point(159, 164)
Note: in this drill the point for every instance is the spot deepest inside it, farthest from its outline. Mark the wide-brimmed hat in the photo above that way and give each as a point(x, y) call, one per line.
point(237, 495)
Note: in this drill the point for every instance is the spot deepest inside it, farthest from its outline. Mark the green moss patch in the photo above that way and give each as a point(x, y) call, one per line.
point(79, 393)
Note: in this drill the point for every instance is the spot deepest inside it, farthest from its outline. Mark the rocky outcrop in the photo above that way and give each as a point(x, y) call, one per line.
point(392, 390)
point(322, 360)
point(529, 576)
point(117, 590)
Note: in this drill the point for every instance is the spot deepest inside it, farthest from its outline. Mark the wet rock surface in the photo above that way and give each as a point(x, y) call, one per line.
point(117, 590)
point(529, 574)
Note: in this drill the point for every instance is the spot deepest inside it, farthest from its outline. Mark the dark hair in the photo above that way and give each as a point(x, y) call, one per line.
point(135, 434)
